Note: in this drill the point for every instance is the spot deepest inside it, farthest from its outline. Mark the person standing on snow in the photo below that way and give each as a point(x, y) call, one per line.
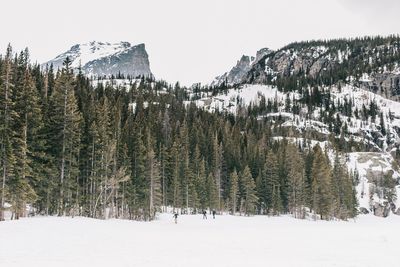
point(204, 214)
point(214, 213)
point(176, 217)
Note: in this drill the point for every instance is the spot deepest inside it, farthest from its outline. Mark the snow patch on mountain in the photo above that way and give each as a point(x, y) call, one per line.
point(371, 167)
point(94, 50)
point(234, 98)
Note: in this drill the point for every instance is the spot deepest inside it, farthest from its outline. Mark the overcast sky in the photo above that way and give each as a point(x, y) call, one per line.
point(187, 40)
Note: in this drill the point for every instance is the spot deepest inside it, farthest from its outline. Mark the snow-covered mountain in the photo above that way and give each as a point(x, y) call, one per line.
point(379, 61)
point(355, 77)
point(105, 59)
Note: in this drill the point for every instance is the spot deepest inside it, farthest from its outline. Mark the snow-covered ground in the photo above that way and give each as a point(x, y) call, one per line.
point(245, 95)
point(225, 241)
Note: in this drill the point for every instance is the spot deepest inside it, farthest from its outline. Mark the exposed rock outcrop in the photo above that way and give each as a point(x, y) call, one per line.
point(381, 210)
point(364, 210)
point(105, 59)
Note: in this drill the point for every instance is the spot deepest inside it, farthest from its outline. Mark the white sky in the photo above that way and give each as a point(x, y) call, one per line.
point(189, 40)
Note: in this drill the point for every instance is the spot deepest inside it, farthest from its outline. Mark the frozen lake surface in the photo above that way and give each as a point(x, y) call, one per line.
point(226, 241)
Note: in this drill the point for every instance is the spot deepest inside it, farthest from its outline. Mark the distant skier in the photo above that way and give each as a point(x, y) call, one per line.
point(176, 217)
point(204, 214)
point(214, 213)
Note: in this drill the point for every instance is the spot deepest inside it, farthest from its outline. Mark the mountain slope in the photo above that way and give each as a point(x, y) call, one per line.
point(340, 94)
point(372, 152)
point(105, 59)
point(371, 63)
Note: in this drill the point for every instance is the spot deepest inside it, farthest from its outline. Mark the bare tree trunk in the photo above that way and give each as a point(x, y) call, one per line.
point(3, 187)
point(92, 176)
point(151, 208)
point(115, 208)
point(115, 204)
point(76, 209)
point(97, 201)
point(234, 205)
point(22, 210)
point(94, 199)
point(103, 167)
point(219, 188)
point(122, 213)
point(48, 201)
point(187, 197)
point(163, 180)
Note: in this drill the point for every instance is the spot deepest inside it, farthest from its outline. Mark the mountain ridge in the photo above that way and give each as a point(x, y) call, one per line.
point(370, 62)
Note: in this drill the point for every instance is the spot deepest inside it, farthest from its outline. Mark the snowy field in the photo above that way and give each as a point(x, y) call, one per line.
point(225, 241)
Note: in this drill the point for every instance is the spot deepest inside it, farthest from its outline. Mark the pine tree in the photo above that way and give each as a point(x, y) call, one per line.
point(188, 194)
point(249, 193)
point(139, 180)
point(191, 180)
point(153, 180)
point(234, 191)
point(164, 163)
point(308, 163)
point(195, 179)
point(217, 164)
point(107, 150)
point(176, 185)
point(295, 167)
point(350, 197)
point(64, 120)
point(212, 191)
point(7, 133)
point(321, 184)
point(202, 185)
point(29, 123)
point(272, 197)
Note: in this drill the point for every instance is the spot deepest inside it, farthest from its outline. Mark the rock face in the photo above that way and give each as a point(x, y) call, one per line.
point(239, 72)
point(318, 59)
point(386, 84)
point(381, 210)
point(311, 60)
point(105, 59)
point(262, 53)
point(236, 74)
point(364, 210)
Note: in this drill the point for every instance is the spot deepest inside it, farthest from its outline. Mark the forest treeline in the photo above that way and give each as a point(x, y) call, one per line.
point(70, 147)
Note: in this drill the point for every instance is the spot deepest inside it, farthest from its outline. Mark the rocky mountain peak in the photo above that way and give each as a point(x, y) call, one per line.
point(263, 52)
point(241, 69)
point(105, 59)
